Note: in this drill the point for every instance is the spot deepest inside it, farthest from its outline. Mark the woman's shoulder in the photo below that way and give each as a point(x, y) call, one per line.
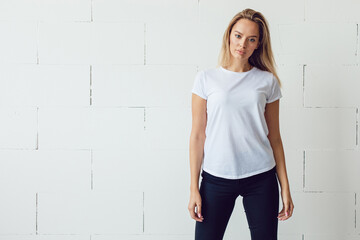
point(262, 72)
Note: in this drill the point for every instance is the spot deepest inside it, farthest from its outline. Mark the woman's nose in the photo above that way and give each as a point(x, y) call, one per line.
point(242, 43)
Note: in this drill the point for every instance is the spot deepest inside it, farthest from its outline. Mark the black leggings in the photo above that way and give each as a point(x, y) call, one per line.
point(260, 194)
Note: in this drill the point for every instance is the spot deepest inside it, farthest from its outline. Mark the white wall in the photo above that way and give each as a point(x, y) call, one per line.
point(95, 115)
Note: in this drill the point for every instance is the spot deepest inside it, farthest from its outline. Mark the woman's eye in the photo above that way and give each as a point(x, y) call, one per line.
point(237, 36)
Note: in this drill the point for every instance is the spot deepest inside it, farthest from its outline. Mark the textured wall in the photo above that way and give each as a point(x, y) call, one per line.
point(95, 115)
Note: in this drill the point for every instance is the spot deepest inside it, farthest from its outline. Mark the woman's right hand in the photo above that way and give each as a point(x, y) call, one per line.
point(195, 201)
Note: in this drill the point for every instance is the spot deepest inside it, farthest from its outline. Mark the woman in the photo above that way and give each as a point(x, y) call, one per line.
point(235, 137)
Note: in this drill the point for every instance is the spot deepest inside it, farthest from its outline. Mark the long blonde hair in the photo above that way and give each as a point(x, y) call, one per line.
point(262, 57)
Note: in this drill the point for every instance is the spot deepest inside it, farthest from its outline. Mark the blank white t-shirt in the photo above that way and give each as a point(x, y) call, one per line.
point(236, 144)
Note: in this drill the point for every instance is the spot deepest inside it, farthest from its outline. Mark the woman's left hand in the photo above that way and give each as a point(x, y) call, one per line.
point(288, 205)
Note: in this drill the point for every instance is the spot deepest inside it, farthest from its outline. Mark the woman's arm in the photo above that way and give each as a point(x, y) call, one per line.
point(196, 156)
point(278, 150)
point(272, 120)
point(197, 139)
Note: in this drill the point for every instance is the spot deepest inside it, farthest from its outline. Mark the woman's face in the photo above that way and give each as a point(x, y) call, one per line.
point(244, 39)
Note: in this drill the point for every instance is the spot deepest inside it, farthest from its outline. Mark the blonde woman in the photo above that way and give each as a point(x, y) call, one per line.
point(235, 137)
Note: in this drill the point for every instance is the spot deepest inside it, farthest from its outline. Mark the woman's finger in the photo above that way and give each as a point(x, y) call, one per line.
point(193, 214)
point(199, 210)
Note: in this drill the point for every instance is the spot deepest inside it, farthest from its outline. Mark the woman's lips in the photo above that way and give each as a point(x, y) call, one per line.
point(240, 52)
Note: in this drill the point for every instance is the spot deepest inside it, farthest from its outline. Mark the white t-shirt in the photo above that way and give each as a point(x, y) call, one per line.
point(236, 144)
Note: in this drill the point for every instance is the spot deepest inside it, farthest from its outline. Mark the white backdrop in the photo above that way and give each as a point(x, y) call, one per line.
point(95, 115)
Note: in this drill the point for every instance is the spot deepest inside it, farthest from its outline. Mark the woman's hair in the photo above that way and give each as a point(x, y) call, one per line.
point(262, 57)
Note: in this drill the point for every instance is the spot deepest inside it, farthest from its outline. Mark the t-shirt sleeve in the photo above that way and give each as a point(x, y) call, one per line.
point(274, 92)
point(199, 85)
